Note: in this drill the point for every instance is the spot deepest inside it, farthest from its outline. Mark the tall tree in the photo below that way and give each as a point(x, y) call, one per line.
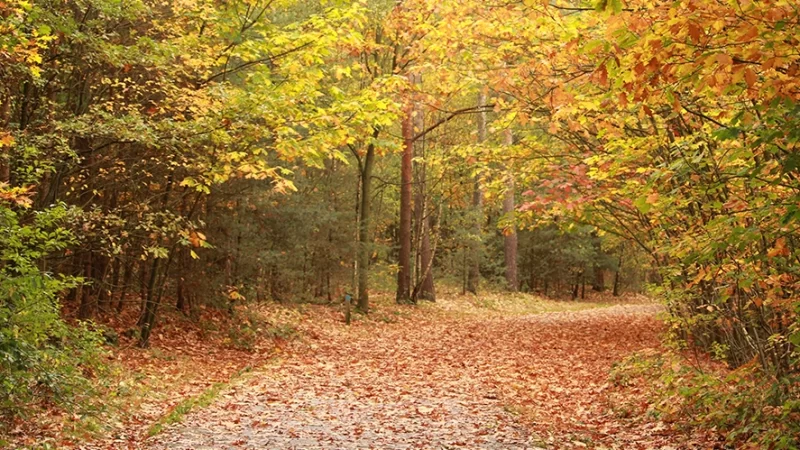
point(474, 257)
point(510, 228)
point(366, 166)
point(423, 286)
point(406, 176)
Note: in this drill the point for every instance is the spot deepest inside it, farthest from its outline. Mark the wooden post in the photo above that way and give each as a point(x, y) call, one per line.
point(348, 300)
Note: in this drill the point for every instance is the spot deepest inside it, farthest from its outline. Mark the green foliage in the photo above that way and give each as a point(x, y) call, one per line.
point(743, 405)
point(42, 359)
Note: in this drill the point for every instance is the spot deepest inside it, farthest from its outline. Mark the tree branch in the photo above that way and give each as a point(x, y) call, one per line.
point(451, 116)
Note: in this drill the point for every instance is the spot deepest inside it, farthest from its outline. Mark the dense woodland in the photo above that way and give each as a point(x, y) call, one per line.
point(179, 155)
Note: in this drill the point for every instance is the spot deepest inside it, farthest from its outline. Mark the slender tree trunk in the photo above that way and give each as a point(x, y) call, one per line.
point(598, 281)
point(424, 287)
point(183, 257)
point(583, 285)
point(116, 271)
point(616, 274)
point(364, 243)
point(576, 286)
point(100, 269)
point(510, 233)
point(464, 278)
point(153, 299)
point(474, 269)
point(149, 315)
point(143, 277)
point(5, 117)
point(406, 173)
point(88, 302)
point(180, 299)
point(427, 291)
point(126, 281)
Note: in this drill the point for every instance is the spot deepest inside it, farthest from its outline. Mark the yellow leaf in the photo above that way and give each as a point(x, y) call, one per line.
point(6, 140)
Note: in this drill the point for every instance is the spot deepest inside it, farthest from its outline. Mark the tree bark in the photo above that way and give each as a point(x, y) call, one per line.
point(151, 307)
point(87, 302)
point(126, 281)
point(406, 173)
point(474, 269)
point(5, 116)
point(427, 290)
point(365, 216)
point(510, 233)
point(424, 287)
point(598, 281)
point(152, 300)
point(616, 274)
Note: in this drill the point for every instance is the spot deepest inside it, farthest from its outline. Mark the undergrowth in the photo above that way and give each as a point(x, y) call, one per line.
point(747, 407)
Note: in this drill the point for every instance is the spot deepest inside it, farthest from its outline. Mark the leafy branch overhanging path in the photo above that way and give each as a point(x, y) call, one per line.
point(468, 381)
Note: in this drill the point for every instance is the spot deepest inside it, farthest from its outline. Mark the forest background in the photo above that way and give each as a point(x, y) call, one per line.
point(207, 155)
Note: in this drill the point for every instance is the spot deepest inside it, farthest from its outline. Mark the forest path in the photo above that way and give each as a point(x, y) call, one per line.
point(436, 381)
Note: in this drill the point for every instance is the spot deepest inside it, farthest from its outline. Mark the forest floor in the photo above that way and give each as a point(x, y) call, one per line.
point(490, 372)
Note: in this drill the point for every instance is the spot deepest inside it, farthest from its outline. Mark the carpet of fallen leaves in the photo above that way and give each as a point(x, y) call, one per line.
point(185, 358)
point(497, 371)
point(502, 373)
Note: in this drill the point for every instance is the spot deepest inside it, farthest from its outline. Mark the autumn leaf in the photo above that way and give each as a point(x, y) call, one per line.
point(724, 59)
point(750, 77)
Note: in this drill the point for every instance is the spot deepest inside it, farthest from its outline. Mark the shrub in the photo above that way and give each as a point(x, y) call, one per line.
point(42, 359)
point(747, 406)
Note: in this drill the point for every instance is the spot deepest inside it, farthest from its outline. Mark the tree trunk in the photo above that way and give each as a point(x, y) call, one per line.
point(583, 285)
point(424, 288)
point(100, 269)
point(510, 233)
point(474, 269)
point(88, 301)
point(5, 117)
point(117, 274)
point(576, 286)
point(598, 281)
point(151, 306)
point(180, 298)
point(143, 277)
point(364, 243)
point(153, 299)
point(126, 281)
point(616, 274)
point(406, 173)
point(427, 290)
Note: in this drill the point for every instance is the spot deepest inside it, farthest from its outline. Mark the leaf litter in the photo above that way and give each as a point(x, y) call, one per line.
point(456, 374)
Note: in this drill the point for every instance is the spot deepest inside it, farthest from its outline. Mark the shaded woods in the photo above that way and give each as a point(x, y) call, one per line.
point(179, 162)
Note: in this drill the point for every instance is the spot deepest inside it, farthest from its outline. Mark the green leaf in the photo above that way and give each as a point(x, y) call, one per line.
point(642, 205)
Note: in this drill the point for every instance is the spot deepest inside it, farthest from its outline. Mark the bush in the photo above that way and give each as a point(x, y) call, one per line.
point(748, 407)
point(42, 359)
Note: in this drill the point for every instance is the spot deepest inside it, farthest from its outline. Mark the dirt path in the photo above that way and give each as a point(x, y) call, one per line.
point(535, 381)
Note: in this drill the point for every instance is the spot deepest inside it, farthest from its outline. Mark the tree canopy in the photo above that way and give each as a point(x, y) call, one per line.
point(206, 154)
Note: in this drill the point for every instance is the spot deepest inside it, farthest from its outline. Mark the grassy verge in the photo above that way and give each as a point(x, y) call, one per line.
point(186, 406)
